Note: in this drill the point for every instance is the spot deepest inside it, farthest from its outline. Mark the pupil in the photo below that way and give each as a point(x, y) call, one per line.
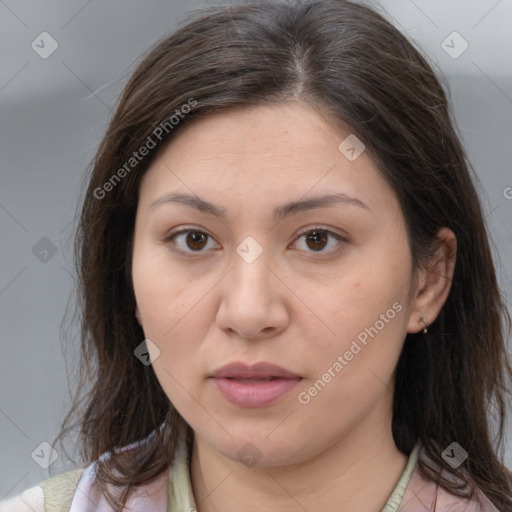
point(314, 236)
point(194, 237)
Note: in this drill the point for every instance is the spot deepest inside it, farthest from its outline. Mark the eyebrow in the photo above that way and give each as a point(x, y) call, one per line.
point(280, 212)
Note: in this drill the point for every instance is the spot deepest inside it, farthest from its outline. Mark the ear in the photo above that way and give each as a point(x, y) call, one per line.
point(137, 315)
point(433, 282)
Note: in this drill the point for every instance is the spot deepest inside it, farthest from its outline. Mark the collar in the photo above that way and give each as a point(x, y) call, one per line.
point(181, 496)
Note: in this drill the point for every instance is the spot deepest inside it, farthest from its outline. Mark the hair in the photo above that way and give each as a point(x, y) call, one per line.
point(352, 65)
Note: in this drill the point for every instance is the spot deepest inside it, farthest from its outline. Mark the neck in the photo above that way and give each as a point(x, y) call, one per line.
point(357, 472)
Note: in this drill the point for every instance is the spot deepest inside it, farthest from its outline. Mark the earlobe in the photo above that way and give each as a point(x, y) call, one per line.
point(137, 315)
point(434, 283)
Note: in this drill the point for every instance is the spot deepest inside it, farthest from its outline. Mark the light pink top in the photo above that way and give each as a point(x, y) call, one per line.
point(172, 492)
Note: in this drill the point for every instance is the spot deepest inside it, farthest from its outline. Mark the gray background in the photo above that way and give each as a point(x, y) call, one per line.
point(53, 114)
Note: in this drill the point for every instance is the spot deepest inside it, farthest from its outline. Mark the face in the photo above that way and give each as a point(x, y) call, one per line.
point(321, 290)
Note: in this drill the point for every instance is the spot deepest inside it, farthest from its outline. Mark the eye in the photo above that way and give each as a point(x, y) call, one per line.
point(194, 240)
point(317, 239)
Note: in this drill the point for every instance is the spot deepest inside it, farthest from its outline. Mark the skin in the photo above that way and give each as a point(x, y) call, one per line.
point(293, 306)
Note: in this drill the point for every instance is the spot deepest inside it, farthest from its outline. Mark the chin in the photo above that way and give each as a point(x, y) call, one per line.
point(257, 450)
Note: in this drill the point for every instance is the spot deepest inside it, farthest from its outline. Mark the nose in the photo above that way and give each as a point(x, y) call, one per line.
point(254, 300)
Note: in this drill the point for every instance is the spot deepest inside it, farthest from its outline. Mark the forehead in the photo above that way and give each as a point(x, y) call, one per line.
point(258, 134)
point(276, 151)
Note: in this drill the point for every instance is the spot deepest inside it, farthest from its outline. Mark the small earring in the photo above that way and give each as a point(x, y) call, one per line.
point(424, 320)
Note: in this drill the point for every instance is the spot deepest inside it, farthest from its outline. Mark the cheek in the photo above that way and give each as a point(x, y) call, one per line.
point(364, 311)
point(172, 314)
point(367, 288)
point(160, 290)
point(352, 368)
point(174, 319)
point(379, 276)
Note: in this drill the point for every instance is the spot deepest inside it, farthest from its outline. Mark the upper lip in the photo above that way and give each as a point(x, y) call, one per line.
point(256, 371)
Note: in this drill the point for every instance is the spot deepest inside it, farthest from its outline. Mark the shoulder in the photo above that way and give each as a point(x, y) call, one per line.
point(53, 494)
point(423, 494)
point(479, 502)
point(31, 500)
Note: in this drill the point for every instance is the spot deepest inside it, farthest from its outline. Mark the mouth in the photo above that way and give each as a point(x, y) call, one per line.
point(240, 379)
point(258, 372)
point(251, 393)
point(253, 386)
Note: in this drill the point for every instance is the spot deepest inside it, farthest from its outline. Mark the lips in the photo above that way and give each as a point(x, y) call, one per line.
point(256, 372)
point(258, 385)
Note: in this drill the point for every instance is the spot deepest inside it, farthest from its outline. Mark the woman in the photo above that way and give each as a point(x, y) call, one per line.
point(286, 282)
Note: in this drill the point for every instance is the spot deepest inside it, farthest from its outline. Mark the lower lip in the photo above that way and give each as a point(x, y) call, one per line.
point(254, 394)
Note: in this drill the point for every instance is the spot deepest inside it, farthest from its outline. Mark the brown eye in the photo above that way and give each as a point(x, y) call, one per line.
point(316, 240)
point(189, 241)
point(196, 240)
point(322, 241)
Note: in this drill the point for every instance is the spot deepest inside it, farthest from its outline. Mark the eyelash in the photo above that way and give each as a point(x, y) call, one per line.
point(195, 254)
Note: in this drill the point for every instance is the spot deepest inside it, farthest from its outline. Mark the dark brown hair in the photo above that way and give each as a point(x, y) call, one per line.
point(352, 65)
